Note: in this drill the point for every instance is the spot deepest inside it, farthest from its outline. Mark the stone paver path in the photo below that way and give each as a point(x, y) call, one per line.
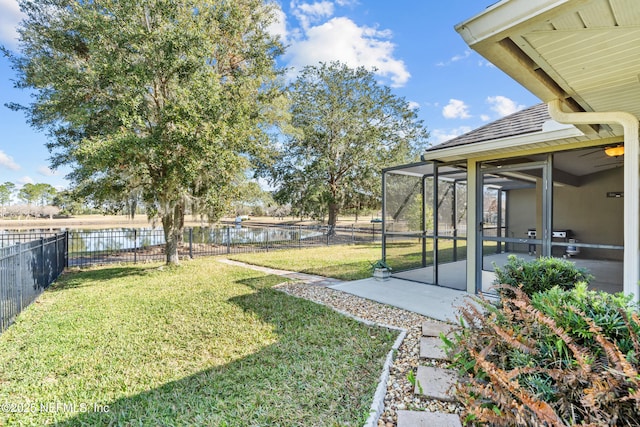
point(433, 329)
point(435, 383)
point(428, 419)
point(431, 348)
point(432, 382)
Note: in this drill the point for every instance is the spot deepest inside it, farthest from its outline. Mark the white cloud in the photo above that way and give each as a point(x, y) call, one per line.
point(10, 17)
point(456, 109)
point(413, 105)
point(26, 180)
point(45, 171)
point(8, 162)
point(311, 13)
point(484, 63)
point(340, 39)
point(347, 2)
point(462, 56)
point(503, 105)
point(455, 58)
point(279, 26)
point(441, 135)
point(485, 117)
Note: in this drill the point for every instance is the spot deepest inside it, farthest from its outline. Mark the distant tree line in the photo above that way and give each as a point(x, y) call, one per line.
point(36, 200)
point(44, 200)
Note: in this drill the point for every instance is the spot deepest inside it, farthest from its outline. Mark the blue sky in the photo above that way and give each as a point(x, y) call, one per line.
point(412, 44)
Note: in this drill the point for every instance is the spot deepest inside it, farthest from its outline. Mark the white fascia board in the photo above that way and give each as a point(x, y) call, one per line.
point(503, 16)
point(478, 148)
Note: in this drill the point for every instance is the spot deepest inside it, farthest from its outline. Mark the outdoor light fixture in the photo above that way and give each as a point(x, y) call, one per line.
point(614, 151)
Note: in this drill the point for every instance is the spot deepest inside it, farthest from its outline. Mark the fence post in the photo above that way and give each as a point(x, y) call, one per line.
point(228, 240)
point(299, 236)
point(191, 242)
point(267, 239)
point(57, 255)
point(135, 245)
point(66, 249)
point(43, 281)
point(19, 269)
point(353, 236)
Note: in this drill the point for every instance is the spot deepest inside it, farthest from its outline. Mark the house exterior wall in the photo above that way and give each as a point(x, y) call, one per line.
point(586, 211)
point(591, 215)
point(521, 214)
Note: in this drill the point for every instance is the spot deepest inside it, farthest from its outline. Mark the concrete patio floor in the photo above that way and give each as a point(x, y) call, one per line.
point(432, 301)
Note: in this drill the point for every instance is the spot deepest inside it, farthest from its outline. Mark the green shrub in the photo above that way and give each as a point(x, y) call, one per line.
point(540, 274)
point(562, 357)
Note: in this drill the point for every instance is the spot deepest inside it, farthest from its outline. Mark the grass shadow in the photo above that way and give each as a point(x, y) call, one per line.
point(262, 282)
point(342, 271)
point(84, 278)
point(321, 370)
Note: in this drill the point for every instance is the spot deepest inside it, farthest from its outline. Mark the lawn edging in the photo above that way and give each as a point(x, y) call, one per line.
point(377, 406)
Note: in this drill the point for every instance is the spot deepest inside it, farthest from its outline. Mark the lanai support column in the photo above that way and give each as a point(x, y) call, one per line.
point(474, 268)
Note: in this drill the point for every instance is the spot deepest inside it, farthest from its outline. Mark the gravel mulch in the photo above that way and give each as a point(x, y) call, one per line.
point(399, 394)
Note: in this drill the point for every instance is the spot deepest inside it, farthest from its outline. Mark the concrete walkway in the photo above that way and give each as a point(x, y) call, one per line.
point(309, 279)
point(432, 301)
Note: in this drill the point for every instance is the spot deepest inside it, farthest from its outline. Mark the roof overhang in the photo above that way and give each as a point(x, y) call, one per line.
point(583, 52)
point(553, 133)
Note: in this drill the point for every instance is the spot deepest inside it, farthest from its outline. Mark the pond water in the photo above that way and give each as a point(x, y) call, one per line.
point(110, 239)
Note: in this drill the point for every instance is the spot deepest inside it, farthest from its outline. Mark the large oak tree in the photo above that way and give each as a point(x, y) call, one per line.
point(346, 128)
point(164, 101)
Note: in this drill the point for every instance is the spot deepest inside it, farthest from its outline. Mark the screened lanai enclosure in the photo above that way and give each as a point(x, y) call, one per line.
point(565, 204)
point(425, 223)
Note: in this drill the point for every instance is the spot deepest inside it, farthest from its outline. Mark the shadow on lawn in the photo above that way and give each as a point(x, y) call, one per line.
point(322, 370)
point(79, 279)
point(344, 270)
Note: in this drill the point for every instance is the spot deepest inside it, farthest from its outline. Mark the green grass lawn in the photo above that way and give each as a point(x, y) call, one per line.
point(201, 344)
point(347, 262)
point(351, 262)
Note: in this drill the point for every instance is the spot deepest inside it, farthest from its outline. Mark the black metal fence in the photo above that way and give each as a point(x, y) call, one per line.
point(124, 245)
point(27, 269)
point(94, 247)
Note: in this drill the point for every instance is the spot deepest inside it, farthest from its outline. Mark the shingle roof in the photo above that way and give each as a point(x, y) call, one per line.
point(522, 122)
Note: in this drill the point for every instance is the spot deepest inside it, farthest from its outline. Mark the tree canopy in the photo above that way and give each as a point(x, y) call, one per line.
point(6, 191)
point(40, 194)
point(346, 128)
point(156, 100)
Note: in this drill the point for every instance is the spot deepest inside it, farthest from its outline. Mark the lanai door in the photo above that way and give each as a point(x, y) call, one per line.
point(514, 216)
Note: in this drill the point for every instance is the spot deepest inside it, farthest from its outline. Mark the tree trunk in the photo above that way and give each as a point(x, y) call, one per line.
point(171, 222)
point(334, 208)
